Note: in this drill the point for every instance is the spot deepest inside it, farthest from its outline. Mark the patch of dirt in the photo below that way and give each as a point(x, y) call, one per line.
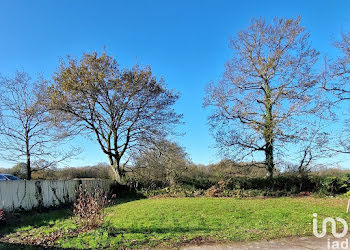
point(36, 239)
point(311, 242)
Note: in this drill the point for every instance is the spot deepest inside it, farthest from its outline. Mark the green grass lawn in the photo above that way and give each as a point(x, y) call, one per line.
point(175, 221)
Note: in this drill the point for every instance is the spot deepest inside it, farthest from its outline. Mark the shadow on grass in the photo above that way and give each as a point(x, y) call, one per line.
point(156, 230)
point(45, 217)
point(123, 200)
point(33, 219)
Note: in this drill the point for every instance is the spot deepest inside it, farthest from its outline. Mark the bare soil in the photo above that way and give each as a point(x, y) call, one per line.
point(311, 242)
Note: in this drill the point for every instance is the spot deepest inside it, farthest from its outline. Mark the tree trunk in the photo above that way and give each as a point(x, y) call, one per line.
point(116, 173)
point(29, 170)
point(269, 159)
point(268, 131)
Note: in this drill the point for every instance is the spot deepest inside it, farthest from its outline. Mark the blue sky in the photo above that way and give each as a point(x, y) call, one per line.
point(186, 42)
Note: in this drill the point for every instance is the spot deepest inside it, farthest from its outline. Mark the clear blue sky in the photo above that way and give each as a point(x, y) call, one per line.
point(185, 41)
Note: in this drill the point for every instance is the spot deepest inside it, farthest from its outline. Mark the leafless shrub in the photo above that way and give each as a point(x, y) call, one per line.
point(89, 208)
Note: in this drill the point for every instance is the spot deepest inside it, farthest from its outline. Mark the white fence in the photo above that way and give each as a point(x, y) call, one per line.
point(26, 195)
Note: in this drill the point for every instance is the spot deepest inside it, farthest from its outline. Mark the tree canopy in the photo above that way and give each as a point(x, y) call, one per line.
point(268, 91)
point(125, 109)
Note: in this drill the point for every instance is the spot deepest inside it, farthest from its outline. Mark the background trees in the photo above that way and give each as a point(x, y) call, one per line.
point(165, 163)
point(126, 110)
point(268, 91)
point(26, 133)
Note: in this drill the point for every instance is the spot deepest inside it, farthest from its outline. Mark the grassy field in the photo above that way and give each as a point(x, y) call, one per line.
point(172, 222)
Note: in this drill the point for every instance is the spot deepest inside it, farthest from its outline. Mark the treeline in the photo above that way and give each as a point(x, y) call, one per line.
point(156, 176)
point(224, 179)
point(100, 171)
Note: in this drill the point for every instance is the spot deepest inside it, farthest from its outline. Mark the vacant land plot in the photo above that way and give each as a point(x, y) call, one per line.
point(171, 222)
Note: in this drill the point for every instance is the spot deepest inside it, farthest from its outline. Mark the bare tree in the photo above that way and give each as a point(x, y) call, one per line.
point(268, 92)
point(126, 110)
point(164, 161)
point(337, 78)
point(337, 81)
point(26, 133)
point(311, 146)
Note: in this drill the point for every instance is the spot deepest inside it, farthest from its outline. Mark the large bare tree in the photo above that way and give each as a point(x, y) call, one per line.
point(26, 131)
point(126, 110)
point(267, 93)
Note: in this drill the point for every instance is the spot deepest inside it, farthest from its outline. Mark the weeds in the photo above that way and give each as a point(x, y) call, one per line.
point(89, 208)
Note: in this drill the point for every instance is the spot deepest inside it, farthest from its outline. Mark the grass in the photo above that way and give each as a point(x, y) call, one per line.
point(171, 222)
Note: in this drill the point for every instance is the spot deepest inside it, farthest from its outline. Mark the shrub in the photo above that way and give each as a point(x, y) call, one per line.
point(89, 208)
point(335, 185)
point(240, 177)
point(216, 190)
